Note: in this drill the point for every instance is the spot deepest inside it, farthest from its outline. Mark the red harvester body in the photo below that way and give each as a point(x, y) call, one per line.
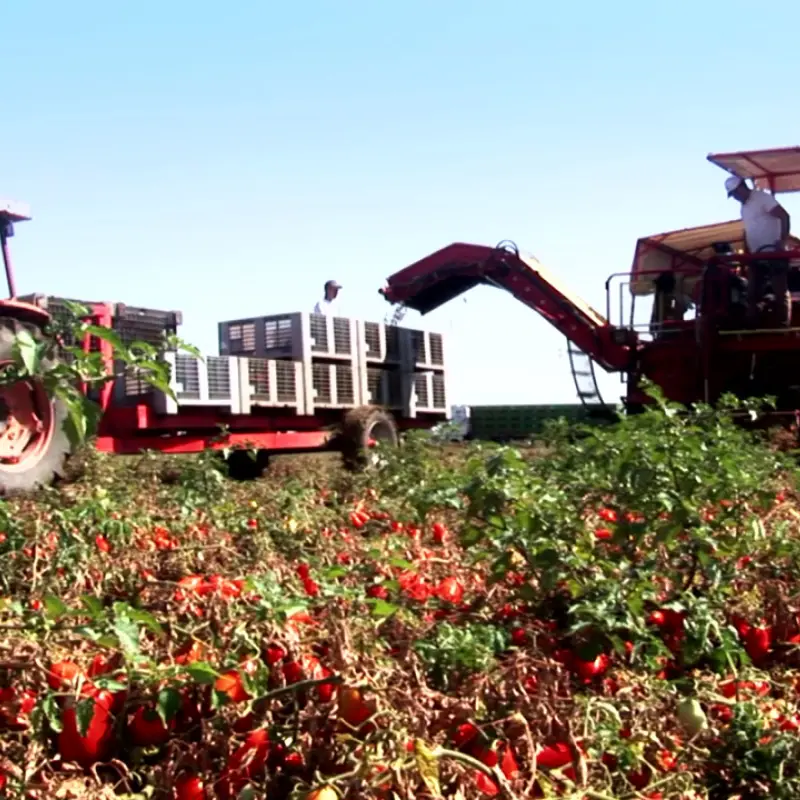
point(691, 359)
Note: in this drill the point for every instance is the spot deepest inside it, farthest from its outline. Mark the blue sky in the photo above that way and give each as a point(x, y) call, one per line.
point(226, 160)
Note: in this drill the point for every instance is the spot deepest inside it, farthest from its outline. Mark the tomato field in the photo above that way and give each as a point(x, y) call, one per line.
point(612, 614)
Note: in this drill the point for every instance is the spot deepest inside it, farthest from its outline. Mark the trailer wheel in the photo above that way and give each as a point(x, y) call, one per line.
point(244, 465)
point(33, 443)
point(362, 428)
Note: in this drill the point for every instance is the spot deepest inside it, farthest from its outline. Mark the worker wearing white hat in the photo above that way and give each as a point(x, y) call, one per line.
point(327, 305)
point(766, 229)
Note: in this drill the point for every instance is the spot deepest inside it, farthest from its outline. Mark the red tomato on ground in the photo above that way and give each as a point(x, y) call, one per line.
point(189, 787)
point(450, 590)
point(96, 746)
point(230, 683)
point(147, 729)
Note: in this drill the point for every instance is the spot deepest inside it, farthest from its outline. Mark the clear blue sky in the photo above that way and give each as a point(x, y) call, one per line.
point(226, 159)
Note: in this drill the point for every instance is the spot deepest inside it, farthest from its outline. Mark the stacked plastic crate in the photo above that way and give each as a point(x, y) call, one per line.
point(314, 356)
point(404, 369)
point(150, 327)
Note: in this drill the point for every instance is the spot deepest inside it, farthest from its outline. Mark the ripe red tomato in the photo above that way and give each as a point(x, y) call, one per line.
point(554, 757)
point(99, 740)
point(439, 532)
point(657, 618)
point(147, 729)
point(757, 643)
point(587, 670)
point(353, 709)
point(16, 707)
point(508, 764)
point(189, 787)
point(377, 591)
point(325, 690)
point(464, 735)
point(61, 673)
point(293, 672)
point(450, 590)
point(274, 653)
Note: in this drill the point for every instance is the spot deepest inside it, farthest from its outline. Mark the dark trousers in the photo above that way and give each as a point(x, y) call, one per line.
point(776, 273)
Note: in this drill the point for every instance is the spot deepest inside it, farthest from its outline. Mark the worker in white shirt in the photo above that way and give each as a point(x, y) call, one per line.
point(327, 305)
point(766, 229)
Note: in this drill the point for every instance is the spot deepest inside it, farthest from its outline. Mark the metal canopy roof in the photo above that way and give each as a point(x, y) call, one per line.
point(777, 170)
point(684, 252)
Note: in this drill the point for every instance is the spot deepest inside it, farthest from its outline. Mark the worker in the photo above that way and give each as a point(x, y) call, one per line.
point(327, 305)
point(766, 229)
point(670, 304)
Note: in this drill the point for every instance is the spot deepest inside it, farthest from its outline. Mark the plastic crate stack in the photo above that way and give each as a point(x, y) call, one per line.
point(131, 324)
point(313, 357)
point(343, 362)
point(405, 369)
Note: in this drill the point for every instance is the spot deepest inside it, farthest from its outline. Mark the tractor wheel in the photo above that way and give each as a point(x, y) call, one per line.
point(362, 428)
point(33, 443)
point(244, 465)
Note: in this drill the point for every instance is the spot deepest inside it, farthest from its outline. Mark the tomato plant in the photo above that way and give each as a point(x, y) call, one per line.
point(597, 615)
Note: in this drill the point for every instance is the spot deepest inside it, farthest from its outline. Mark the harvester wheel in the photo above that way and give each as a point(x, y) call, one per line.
point(362, 428)
point(33, 443)
point(246, 466)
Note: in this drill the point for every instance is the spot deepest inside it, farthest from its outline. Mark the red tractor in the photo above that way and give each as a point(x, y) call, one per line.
point(697, 343)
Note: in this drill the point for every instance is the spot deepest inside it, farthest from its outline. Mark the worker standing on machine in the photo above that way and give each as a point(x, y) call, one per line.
point(766, 229)
point(328, 305)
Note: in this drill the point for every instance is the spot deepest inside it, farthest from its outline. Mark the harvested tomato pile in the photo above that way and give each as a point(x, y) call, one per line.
point(589, 621)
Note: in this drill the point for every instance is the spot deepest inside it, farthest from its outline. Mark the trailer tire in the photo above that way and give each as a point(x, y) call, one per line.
point(43, 459)
point(243, 465)
point(361, 426)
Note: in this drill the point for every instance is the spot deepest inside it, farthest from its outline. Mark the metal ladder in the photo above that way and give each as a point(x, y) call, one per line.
point(582, 367)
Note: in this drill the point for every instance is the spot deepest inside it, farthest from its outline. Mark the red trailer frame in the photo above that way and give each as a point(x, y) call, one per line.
point(129, 429)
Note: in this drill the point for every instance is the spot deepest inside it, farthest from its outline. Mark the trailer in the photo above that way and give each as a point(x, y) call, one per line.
point(281, 384)
point(698, 343)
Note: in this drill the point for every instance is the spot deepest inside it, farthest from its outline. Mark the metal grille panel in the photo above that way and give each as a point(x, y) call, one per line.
point(286, 378)
point(219, 377)
point(321, 382)
point(345, 385)
point(439, 398)
point(372, 338)
point(187, 374)
point(318, 325)
point(258, 376)
point(342, 343)
point(437, 349)
point(242, 337)
point(278, 335)
point(421, 388)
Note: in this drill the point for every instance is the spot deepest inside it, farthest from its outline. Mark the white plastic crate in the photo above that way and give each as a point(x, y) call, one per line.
point(382, 344)
point(386, 387)
point(271, 383)
point(423, 349)
point(209, 382)
point(332, 385)
point(295, 336)
point(428, 394)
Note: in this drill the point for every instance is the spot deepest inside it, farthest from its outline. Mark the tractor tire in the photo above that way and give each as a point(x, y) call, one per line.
point(246, 466)
point(360, 428)
point(43, 459)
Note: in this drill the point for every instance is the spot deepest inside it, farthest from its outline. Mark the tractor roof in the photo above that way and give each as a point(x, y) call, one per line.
point(684, 252)
point(777, 170)
point(12, 211)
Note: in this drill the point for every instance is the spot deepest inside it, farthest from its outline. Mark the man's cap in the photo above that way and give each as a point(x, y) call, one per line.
point(732, 184)
point(333, 285)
